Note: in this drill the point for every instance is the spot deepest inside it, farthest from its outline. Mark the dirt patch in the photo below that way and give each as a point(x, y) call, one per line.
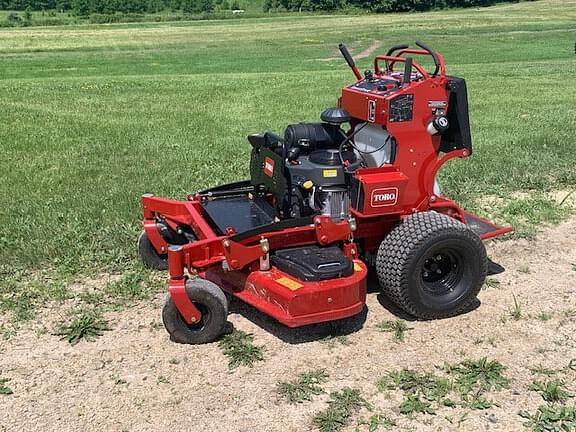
point(133, 378)
point(363, 54)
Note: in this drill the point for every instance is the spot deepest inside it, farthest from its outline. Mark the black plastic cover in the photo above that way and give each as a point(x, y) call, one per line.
point(312, 136)
point(458, 135)
point(335, 116)
point(313, 263)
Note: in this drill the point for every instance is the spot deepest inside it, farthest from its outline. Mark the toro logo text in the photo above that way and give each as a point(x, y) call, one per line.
point(383, 197)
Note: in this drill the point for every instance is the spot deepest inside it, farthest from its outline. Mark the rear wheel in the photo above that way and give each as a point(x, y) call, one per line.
point(431, 265)
point(212, 304)
point(148, 254)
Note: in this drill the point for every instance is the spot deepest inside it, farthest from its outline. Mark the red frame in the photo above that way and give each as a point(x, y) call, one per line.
point(405, 186)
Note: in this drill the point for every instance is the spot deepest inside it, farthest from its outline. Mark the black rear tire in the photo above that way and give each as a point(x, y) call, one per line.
point(211, 302)
point(431, 266)
point(148, 254)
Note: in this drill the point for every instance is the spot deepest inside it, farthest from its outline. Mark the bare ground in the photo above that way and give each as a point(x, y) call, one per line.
point(363, 54)
point(133, 378)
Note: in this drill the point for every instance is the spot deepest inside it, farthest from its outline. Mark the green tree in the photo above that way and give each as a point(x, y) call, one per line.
point(28, 16)
point(206, 6)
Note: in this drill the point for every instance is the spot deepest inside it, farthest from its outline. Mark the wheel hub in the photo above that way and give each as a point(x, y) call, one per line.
point(440, 272)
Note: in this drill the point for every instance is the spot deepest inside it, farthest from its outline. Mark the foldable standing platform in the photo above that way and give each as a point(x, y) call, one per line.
point(239, 213)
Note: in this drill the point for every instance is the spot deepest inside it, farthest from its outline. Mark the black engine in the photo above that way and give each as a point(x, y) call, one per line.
point(308, 169)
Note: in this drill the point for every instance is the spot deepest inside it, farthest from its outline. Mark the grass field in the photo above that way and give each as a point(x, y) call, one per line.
point(94, 116)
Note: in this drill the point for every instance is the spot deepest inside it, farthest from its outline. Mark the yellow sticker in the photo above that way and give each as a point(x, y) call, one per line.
point(357, 267)
point(289, 283)
point(330, 173)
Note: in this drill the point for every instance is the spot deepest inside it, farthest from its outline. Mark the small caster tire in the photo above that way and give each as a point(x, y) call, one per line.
point(148, 254)
point(210, 301)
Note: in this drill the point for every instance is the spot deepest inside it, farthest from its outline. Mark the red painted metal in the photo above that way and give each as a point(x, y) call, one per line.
point(390, 193)
point(177, 286)
point(328, 231)
point(293, 302)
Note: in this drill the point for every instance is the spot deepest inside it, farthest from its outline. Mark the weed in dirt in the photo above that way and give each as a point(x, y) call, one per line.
point(7, 332)
point(301, 389)
point(544, 316)
point(375, 422)
point(414, 404)
point(491, 283)
point(541, 370)
point(4, 389)
point(524, 269)
point(574, 267)
point(163, 380)
point(477, 376)
point(94, 298)
point(341, 406)
point(432, 387)
point(551, 391)
point(331, 341)
point(239, 347)
point(174, 361)
point(490, 340)
point(84, 324)
point(516, 310)
point(398, 327)
point(479, 402)
point(551, 418)
point(572, 364)
point(425, 391)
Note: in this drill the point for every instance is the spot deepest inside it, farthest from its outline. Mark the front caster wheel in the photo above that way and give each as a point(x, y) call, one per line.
point(148, 254)
point(212, 304)
point(431, 265)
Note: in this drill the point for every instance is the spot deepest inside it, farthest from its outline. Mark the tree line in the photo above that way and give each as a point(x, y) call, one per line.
point(87, 7)
point(376, 5)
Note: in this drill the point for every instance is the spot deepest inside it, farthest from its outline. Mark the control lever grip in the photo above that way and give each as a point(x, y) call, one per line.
point(346, 54)
point(396, 48)
point(432, 53)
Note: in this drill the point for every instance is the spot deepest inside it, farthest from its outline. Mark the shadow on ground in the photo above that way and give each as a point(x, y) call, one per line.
point(321, 331)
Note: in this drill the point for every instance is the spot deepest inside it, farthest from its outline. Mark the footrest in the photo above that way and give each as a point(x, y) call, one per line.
point(484, 228)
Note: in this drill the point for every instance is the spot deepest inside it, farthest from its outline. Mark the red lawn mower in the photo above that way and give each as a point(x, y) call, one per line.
point(323, 204)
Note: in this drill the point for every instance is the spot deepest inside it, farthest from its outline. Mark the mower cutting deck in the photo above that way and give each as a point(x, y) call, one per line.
point(322, 204)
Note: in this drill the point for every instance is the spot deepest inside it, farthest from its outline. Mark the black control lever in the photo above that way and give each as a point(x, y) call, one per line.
point(346, 54)
point(432, 53)
point(396, 48)
point(407, 71)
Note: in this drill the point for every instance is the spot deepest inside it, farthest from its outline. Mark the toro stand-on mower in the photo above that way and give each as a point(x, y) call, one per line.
point(323, 203)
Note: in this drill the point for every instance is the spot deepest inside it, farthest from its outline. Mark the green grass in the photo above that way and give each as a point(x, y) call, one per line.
point(303, 388)
point(96, 115)
point(341, 407)
point(85, 324)
point(397, 327)
point(239, 347)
